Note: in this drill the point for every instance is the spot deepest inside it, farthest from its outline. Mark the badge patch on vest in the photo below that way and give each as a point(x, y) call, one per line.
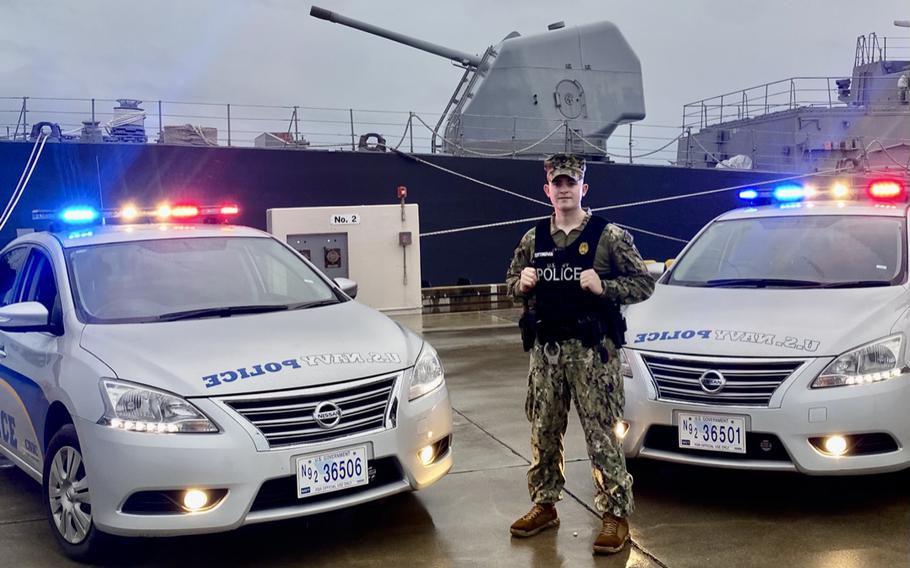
point(583, 248)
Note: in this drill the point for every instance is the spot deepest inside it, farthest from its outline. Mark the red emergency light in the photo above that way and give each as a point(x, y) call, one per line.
point(184, 211)
point(887, 190)
point(188, 211)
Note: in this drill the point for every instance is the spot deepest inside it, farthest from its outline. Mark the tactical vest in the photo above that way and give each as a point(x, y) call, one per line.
point(561, 301)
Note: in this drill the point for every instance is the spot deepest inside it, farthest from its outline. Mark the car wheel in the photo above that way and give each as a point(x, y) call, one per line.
point(67, 497)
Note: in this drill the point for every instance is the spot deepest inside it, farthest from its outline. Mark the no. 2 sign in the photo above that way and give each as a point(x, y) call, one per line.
point(345, 219)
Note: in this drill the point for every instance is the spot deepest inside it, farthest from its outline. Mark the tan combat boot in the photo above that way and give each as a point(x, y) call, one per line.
point(540, 517)
point(613, 536)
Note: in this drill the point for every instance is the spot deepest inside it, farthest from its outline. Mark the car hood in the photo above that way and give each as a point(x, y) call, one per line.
point(766, 322)
point(256, 352)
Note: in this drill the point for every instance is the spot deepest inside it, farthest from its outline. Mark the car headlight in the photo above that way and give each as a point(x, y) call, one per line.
point(870, 363)
point(625, 368)
point(141, 409)
point(427, 374)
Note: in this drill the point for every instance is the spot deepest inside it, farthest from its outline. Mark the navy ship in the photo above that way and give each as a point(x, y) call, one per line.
point(478, 176)
point(810, 124)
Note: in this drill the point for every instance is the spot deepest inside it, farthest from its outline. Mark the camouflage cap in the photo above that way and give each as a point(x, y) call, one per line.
point(565, 165)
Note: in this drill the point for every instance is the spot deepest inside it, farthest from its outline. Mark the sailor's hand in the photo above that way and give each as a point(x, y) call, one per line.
point(590, 281)
point(528, 280)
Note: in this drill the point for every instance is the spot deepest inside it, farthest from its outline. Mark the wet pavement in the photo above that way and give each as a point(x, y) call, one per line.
point(686, 516)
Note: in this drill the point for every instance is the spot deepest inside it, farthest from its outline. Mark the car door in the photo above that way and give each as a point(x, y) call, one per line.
point(20, 396)
point(28, 360)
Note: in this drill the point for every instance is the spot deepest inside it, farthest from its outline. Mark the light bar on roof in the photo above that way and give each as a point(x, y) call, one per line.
point(131, 213)
point(881, 190)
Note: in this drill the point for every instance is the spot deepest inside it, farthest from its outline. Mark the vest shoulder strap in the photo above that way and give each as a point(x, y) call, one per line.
point(543, 240)
point(597, 224)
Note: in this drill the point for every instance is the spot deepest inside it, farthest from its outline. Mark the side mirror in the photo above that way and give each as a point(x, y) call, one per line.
point(347, 286)
point(655, 269)
point(24, 316)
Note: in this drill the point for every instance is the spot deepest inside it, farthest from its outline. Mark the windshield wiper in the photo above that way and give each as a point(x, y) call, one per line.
point(222, 312)
point(857, 284)
point(761, 283)
point(316, 304)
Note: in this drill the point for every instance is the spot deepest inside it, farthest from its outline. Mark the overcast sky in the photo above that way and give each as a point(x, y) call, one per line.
point(273, 52)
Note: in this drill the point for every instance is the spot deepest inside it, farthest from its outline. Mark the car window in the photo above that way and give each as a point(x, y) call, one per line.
point(41, 286)
point(827, 249)
point(280, 274)
point(140, 281)
point(12, 265)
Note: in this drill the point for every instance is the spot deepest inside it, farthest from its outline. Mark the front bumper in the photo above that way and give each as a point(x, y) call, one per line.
point(121, 463)
point(796, 414)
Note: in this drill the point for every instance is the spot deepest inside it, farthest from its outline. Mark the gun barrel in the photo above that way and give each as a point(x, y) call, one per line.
point(459, 57)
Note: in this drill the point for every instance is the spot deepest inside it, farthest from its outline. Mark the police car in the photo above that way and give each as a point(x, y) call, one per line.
point(177, 378)
point(778, 340)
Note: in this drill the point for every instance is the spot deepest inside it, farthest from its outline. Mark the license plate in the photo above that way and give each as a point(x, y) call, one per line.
point(331, 471)
point(713, 432)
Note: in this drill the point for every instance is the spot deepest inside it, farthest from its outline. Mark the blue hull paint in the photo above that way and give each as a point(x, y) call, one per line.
point(260, 179)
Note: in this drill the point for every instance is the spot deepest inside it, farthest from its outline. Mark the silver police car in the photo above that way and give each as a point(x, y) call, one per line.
point(170, 379)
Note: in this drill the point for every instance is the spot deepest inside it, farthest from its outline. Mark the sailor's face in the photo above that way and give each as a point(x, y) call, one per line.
point(565, 193)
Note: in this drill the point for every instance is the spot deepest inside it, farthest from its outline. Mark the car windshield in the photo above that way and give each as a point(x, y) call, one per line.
point(187, 278)
point(824, 251)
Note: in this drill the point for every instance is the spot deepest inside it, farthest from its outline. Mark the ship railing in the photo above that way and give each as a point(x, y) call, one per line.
point(202, 123)
point(871, 49)
point(300, 128)
point(760, 100)
point(340, 129)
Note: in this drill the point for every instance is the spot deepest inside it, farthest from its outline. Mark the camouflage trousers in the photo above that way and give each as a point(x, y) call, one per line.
point(596, 388)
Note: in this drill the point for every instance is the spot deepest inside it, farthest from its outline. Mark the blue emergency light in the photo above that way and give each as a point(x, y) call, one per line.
point(748, 194)
point(79, 215)
point(789, 192)
point(783, 193)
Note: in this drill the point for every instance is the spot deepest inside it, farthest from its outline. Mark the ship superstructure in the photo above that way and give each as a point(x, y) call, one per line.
point(811, 124)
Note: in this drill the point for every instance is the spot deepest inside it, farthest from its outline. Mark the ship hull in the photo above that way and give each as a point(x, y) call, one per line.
point(109, 175)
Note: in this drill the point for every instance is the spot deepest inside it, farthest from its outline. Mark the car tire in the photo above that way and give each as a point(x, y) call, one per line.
point(67, 498)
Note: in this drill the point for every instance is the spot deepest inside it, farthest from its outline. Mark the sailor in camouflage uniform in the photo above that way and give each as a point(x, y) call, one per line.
point(578, 269)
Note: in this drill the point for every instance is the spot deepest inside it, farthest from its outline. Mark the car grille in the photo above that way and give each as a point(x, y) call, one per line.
point(748, 382)
point(288, 419)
